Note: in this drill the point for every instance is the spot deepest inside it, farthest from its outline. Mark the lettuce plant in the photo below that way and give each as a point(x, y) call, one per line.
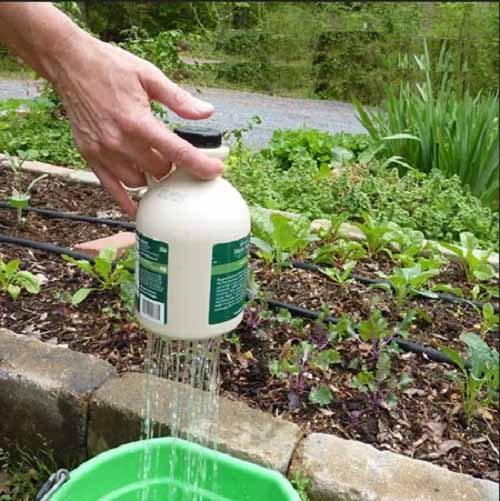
point(475, 267)
point(478, 384)
point(107, 275)
point(13, 281)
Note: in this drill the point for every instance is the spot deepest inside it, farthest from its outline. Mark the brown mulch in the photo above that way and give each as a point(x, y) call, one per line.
point(428, 422)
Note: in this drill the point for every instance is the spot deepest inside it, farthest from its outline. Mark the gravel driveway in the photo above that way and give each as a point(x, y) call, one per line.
point(234, 109)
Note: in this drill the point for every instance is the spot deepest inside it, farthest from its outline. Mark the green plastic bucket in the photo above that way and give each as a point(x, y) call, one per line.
point(116, 475)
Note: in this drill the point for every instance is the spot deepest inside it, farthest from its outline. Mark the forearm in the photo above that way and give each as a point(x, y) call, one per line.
point(37, 32)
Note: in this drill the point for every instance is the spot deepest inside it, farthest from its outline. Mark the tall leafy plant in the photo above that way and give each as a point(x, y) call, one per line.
point(428, 126)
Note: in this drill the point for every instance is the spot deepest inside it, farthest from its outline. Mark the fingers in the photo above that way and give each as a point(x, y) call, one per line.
point(160, 88)
point(147, 159)
point(179, 151)
point(123, 169)
point(116, 189)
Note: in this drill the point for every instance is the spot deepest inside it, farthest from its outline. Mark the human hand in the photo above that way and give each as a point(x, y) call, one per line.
point(106, 92)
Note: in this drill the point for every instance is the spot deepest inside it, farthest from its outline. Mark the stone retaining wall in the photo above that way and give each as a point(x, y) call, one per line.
point(77, 405)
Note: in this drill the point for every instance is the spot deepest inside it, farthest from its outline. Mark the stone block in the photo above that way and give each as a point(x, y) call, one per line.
point(116, 410)
point(120, 241)
point(44, 392)
point(347, 470)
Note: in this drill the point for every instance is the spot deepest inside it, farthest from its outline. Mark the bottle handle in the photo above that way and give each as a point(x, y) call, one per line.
point(153, 182)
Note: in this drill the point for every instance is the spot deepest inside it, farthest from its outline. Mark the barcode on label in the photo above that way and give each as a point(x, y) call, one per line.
point(152, 310)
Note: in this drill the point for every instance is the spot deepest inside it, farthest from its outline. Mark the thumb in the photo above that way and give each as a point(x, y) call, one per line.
point(159, 88)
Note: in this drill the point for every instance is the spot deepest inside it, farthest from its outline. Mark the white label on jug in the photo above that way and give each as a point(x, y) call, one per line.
point(152, 279)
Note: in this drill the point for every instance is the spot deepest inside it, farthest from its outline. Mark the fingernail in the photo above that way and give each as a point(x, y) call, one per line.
point(204, 107)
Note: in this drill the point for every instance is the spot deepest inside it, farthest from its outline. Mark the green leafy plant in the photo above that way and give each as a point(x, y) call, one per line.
point(376, 234)
point(438, 206)
point(43, 133)
point(410, 245)
point(338, 253)
point(281, 238)
point(476, 267)
point(333, 231)
point(161, 50)
point(441, 127)
point(301, 482)
point(489, 320)
point(342, 277)
point(107, 275)
point(321, 395)
point(298, 359)
point(409, 281)
point(478, 384)
point(13, 281)
point(379, 380)
point(20, 197)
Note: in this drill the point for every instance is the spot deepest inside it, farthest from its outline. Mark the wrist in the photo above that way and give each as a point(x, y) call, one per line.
point(58, 60)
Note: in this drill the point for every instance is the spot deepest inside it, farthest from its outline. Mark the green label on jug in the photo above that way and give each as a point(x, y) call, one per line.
point(152, 279)
point(228, 281)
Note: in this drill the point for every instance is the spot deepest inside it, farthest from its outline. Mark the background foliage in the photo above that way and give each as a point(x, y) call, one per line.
point(329, 50)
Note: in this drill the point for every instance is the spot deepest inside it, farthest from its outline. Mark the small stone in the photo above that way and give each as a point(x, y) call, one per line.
point(120, 241)
point(349, 470)
point(44, 392)
point(116, 411)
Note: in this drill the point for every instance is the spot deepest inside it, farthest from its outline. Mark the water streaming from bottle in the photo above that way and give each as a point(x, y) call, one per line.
point(192, 406)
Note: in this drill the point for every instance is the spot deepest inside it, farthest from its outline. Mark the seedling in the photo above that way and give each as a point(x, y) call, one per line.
point(410, 243)
point(340, 252)
point(474, 267)
point(380, 382)
point(294, 364)
point(283, 239)
point(489, 322)
point(301, 482)
point(14, 281)
point(409, 281)
point(484, 292)
point(106, 276)
point(479, 385)
point(342, 277)
point(321, 396)
point(376, 234)
point(332, 233)
point(20, 197)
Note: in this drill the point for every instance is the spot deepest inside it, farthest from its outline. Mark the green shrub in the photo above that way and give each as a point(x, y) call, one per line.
point(287, 146)
point(161, 49)
point(243, 42)
point(439, 207)
point(441, 129)
point(43, 134)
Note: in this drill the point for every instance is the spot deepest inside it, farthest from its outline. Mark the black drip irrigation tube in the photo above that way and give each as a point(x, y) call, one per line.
point(449, 298)
point(409, 346)
point(52, 213)
point(405, 345)
point(274, 304)
point(43, 246)
point(55, 214)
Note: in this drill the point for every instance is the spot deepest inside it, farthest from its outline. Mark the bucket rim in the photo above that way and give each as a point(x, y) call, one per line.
point(220, 457)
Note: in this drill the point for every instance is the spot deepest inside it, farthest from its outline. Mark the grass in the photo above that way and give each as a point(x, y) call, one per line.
point(24, 472)
point(21, 74)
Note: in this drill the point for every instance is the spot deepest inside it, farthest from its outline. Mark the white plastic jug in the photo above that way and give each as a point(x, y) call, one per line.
point(192, 250)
